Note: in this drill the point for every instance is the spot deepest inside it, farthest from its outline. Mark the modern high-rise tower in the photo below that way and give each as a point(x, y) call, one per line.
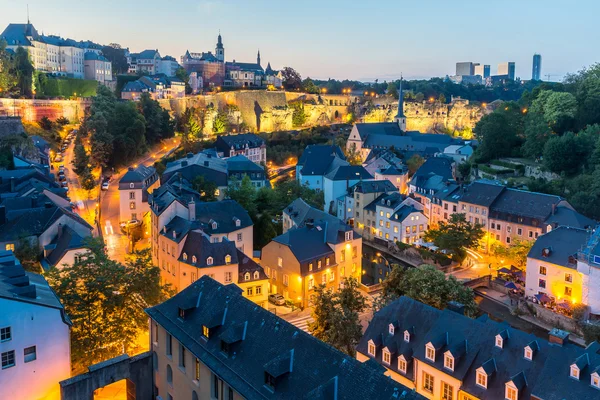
point(508, 69)
point(536, 70)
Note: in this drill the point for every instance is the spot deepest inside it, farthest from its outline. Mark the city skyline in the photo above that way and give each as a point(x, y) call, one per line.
point(335, 47)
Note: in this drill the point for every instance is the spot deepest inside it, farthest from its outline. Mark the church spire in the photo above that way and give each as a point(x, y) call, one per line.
point(400, 117)
point(258, 58)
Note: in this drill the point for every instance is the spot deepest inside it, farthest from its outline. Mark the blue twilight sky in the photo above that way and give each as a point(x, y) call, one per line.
point(352, 39)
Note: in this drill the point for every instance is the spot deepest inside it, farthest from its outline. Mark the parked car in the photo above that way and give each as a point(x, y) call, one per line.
point(80, 205)
point(105, 185)
point(64, 184)
point(61, 168)
point(277, 299)
point(62, 177)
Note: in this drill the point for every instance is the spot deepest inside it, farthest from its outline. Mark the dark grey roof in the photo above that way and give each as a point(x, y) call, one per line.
point(90, 55)
point(440, 166)
point(246, 264)
point(348, 172)
point(546, 376)
point(213, 169)
point(138, 175)
point(373, 186)
point(481, 193)
point(16, 34)
point(146, 54)
point(16, 284)
point(560, 246)
point(197, 245)
point(239, 142)
point(301, 213)
point(244, 67)
point(566, 216)
point(241, 163)
point(320, 159)
point(135, 87)
point(306, 243)
point(524, 203)
point(68, 240)
point(403, 212)
point(388, 134)
point(308, 368)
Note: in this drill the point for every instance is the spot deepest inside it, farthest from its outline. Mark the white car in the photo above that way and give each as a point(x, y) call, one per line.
point(105, 185)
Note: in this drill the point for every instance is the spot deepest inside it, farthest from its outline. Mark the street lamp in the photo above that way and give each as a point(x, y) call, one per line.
point(387, 263)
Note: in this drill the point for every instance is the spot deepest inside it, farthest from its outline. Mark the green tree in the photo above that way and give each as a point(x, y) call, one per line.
point(158, 123)
point(7, 78)
point(497, 135)
point(182, 75)
point(336, 316)
point(23, 70)
point(291, 79)
point(566, 154)
point(309, 86)
point(105, 300)
point(264, 231)
point(537, 133)
point(442, 98)
point(62, 121)
point(298, 116)
point(455, 235)
point(419, 97)
point(102, 148)
point(116, 55)
point(88, 183)
point(244, 193)
point(80, 159)
point(206, 188)
point(428, 285)
point(191, 127)
point(414, 163)
point(221, 123)
point(392, 90)
point(45, 123)
point(515, 253)
point(28, 253)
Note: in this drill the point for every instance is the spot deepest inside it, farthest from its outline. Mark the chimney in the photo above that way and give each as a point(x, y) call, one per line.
point(60, 230)
point(559, 337)
point(192, 210)
point(553, 209)
point(456, 307)
point(12, 184)
point(2, 215)
point(190, 155)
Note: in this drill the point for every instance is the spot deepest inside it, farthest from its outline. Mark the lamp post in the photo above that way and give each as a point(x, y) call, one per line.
point(387, 263)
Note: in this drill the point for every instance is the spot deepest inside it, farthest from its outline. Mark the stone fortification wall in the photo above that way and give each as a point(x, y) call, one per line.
point(34, 110)
point(10, 126)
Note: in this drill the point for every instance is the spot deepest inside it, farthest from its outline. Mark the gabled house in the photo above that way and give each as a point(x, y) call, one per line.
point(248, 144)
point(317, 161)
point(351, 205)
point(134, 188)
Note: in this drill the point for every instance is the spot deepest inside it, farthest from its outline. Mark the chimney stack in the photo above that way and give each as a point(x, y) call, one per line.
point(192, 210)
point(559, 337)
point(457, 307)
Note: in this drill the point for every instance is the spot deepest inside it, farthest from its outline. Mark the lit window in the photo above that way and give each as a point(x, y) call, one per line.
point(542, 270)
point(528, 353)
point(402, 365)
point(194, 259)
point(447, 391)
point(10, 246)
point(387, 357)
point(205, 331)
point(406, 336)
point(279, 262)
point(197, 370)
point(430, 353)
point(481, 379)
point(256, 275)
point(449, 362)
point(319, 264)
point(499, 341)
point(569, 278)
point(596, 380)
point(427, 382)
point(184, 256)
point(209, 261)
point(247, 276)
point(574, 372)
point(371, 349)
point(511, 393)
point(227, 259)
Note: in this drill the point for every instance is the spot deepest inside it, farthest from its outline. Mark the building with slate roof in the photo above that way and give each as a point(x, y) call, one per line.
point(315, 248)
point(159, 86)
point(351, 204)
point(588, 265)
point(552, 265)
point(64, 249)
point(54, 54)
point(317, 161)
point(433, 176)
point(34, 333)
point(337, 181)
point(134, 189)
point(97, 67)
point(217, 170)
point(244, 74)
point(446, 355)
point(395, 217)
point(248, 144)
point(210, 342)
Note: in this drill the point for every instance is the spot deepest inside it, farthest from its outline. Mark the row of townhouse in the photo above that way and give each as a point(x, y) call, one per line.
point(444, 355)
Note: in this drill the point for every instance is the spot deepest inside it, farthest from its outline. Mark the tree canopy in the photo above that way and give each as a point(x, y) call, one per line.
point(456, 234)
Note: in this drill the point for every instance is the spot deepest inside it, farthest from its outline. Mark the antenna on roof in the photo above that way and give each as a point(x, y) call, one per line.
point(27, 13)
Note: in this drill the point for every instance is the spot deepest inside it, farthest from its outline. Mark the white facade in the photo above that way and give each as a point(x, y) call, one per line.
point(562, 283)
point(99, 70)
point(333, 189)
point(407, 230)
point(168, 67)
point(590, 283)
point(43, 327)
point(314, 182)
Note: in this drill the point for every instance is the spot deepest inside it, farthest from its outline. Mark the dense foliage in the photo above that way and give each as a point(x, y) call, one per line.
point(456, 235)
point(105, 300)
point(122, 131)
point(428, 285)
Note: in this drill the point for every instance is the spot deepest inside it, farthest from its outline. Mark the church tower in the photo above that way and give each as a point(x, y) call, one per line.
point(220, 50)
point(400, 118)
point(258, 58)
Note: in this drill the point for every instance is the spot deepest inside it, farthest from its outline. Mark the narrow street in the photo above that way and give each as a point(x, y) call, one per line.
point(117, 243)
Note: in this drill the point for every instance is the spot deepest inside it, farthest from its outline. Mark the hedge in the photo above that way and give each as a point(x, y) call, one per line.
point(493, 171)
point(67, 87)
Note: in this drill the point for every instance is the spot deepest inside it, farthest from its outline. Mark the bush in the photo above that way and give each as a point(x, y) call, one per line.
point(591, 332)
point(62, 121)
point(493, 171)
point(67, 87)
point(579, 311)
point(45, 123)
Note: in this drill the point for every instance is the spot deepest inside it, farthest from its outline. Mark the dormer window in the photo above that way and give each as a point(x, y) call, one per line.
point(214, 225)
point(227, 259)
point(511, 392)
point(449, 362)
point(528, 353)
point(574, 372)
point(256, 275)
point(348, 236)
point(174, 235)
point(595, 382)
point(406, 337)
point(327, 261)
point(371, 350)
point(429, 352)
point(391, 329)
point(482, 379)
point(247, 276)
point(269, 381)
point(205, 331)
point(499, 341)
point(184, 256)
point(209, 261)
point(238, 223)
point(402, 364)
point(386, 357)
point(194, 260)
point(319, 264)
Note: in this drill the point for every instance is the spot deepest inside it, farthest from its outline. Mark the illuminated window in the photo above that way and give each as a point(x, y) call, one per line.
point(528, 353)
point(402, 365)
point(371, 349)
point(209, 261)
point(595, 380)
point(247, 276)
point(205, 331)
point(256, 275)
point(386, 357)
point(227, 259)
point(574, 372)
point(511, 393)
point(568, 291)
point(499, 341)
point(194, 259)
point(197, 370)
point(449, 362)
point(406, 336)
point(428, 382)
point(481, 379)
point(542, 270)
point(430, 352)
point(279, 262)
point(10, 246)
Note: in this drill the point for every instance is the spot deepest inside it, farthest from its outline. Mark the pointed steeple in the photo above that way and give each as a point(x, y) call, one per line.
point(400, 117)
point(258, 57)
